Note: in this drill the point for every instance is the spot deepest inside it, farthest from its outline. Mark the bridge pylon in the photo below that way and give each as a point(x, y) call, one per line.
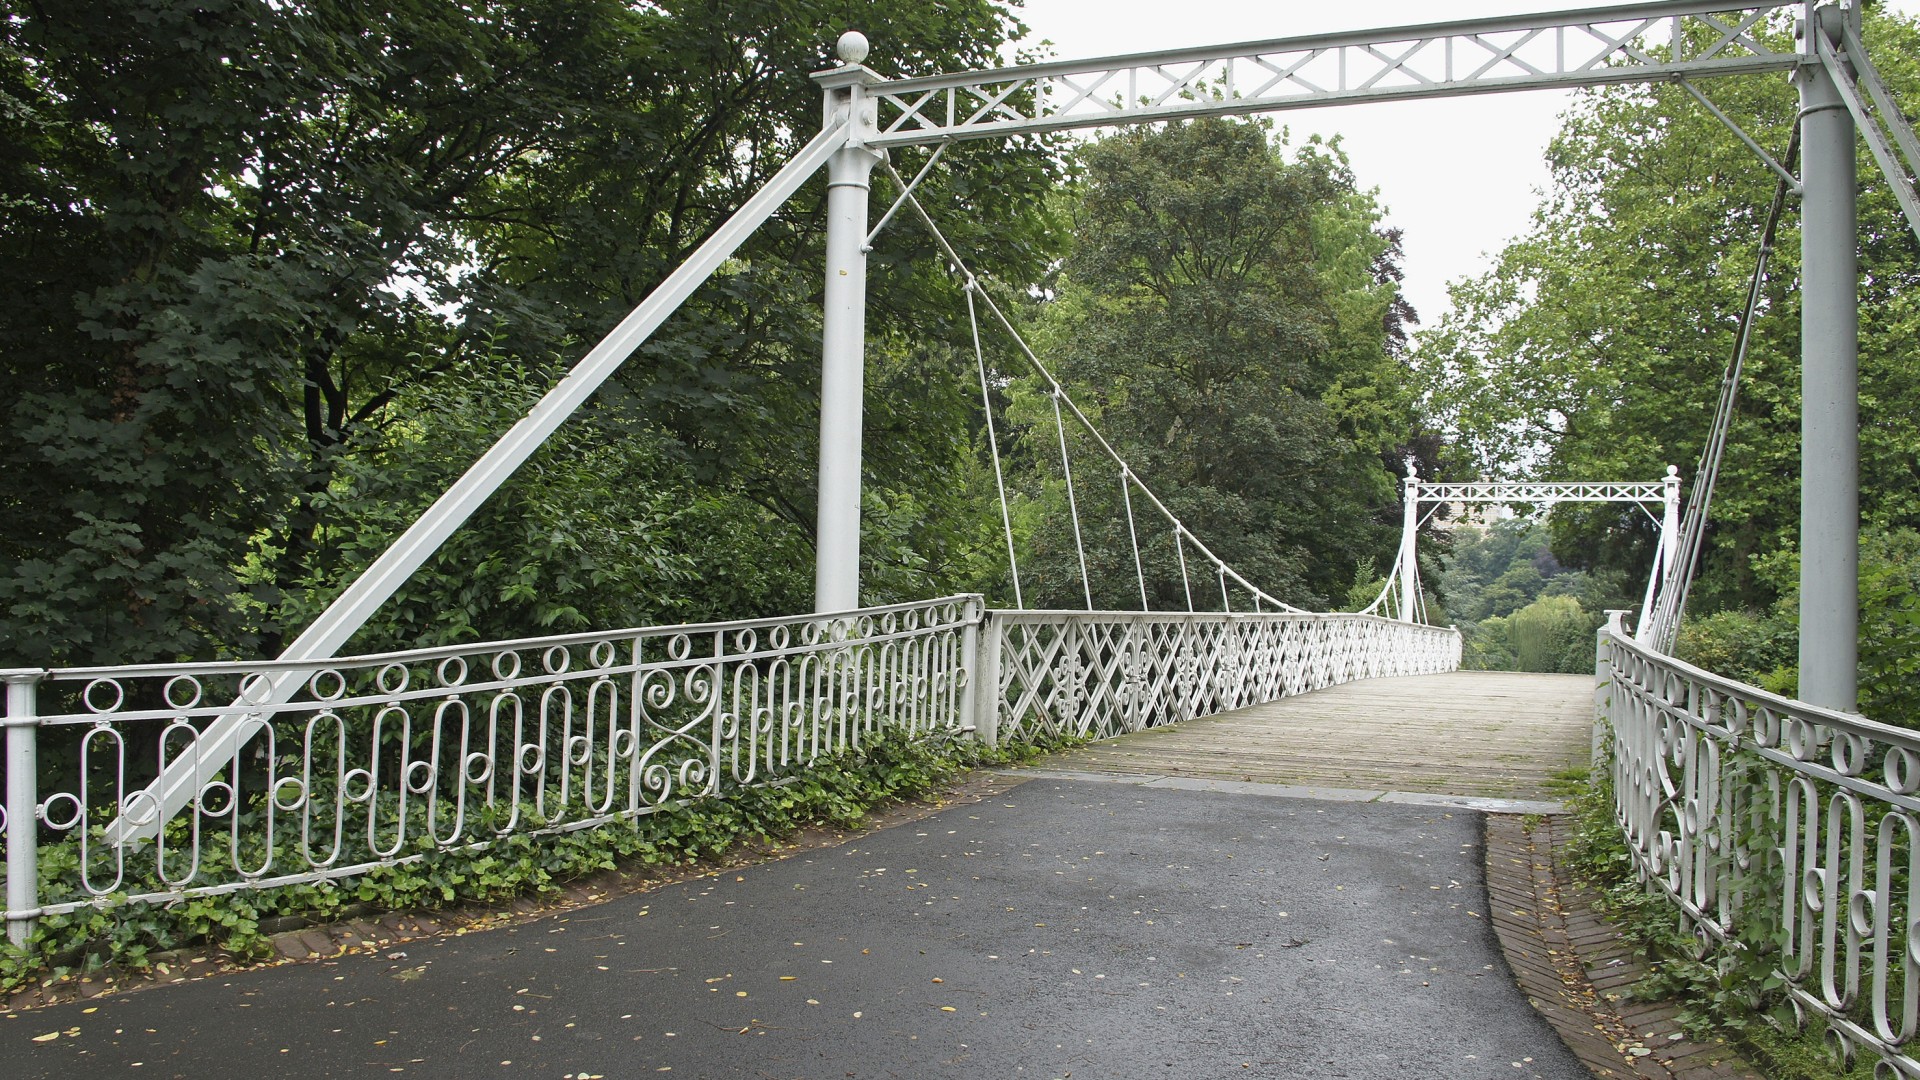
point(1402, 592)
point(843, 336)
point(1829, 377)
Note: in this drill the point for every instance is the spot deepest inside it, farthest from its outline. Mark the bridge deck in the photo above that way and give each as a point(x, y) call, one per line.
point(1482, 734)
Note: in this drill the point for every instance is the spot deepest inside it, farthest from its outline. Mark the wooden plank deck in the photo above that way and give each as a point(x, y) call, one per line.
point(1482, 734)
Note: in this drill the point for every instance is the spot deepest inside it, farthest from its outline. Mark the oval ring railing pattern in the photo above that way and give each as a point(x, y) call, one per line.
point(1786, 834)
point(381, 759)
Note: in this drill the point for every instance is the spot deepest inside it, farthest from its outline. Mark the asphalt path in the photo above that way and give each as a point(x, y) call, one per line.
point(1062, 929)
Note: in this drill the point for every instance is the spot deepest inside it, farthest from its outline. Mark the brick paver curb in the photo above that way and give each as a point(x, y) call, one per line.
point(1575, 968)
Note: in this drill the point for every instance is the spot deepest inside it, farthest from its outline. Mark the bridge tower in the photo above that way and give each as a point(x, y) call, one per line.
point(1829, 393)
point(836, 561)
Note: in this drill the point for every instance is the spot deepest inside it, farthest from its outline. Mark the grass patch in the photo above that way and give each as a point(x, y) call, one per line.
point(1569, 782)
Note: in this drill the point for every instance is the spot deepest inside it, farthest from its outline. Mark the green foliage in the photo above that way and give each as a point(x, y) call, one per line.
point(595, 531)
point(1229, 314)
point(838, 791)
point(1365, 587)
point(1518, 608)
point(1498, 569)
point(1732, 993)
point(1594, 347)
point(1554, 633)
point(249, 245)
point(1890, 626)
point(1762, 648)
point(1749, 646)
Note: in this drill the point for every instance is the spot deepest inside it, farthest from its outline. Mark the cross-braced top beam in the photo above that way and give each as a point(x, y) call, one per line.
point(1503, 491)
point(1632, 43)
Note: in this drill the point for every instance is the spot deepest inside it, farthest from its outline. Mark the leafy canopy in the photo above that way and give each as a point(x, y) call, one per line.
point(1594, 347)
point(270, 264)
point(1229, 313)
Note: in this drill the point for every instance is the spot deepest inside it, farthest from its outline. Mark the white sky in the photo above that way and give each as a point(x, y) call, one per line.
point(1459, 175)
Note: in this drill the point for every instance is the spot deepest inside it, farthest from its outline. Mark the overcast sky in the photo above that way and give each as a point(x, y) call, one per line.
point(1458, 175)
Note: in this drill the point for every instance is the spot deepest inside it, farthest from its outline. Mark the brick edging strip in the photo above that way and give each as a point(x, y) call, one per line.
point(1575, 968)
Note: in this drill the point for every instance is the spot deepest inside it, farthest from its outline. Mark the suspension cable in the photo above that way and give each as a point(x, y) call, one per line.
point(1040, 368)
point(1073, 504)
point(993, 443)
point(1139, 569)
point(1181, 549)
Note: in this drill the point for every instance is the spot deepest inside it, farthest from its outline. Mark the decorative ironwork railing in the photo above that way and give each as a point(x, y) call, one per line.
point(1101, 674)
point(1785, 833)
point(377, 761)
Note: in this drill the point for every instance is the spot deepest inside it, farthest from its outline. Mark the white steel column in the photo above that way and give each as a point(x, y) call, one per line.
point(1670, 520)
point(836, 579)
point(1829, 420)
point(23, 804)
point(1666, 550)
point(1409, 570)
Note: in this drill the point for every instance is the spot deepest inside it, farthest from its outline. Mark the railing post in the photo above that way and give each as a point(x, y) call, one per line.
point(970, 667)
point(985, 696)
point(1409, 568)
point(23, 799)
point(1603, 678)
point(1069, 696)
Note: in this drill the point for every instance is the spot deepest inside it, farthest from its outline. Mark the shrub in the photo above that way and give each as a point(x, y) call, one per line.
point(1554, 633)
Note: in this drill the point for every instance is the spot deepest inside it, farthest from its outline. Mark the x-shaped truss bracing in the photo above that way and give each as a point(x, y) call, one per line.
point(1590, 47)
point(1101, 674)
point(1498, 491)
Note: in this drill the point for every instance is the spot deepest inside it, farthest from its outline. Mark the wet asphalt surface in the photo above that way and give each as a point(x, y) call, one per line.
point(1064, 929)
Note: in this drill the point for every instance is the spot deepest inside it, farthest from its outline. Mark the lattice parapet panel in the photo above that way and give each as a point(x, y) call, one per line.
point(1785, 834)
point(1108, 673)
point(378, 760)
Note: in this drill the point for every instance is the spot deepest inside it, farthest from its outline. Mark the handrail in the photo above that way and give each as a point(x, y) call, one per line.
point(378, 760)
point(1777, 828)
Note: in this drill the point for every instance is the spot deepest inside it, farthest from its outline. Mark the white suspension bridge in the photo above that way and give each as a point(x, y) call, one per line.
point(316, 766)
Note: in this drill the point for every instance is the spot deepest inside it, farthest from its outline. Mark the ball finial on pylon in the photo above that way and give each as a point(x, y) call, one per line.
point(852, 47)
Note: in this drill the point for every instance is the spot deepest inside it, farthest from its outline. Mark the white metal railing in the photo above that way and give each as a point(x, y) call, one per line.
point(379, 760)
point(376, 760)
point(1100, 674)
point(1786, 833)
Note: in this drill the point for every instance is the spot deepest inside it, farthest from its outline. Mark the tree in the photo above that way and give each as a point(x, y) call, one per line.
point(1516, 606)
point(1230, 315)
point(1595, 345)
point(247, 243)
